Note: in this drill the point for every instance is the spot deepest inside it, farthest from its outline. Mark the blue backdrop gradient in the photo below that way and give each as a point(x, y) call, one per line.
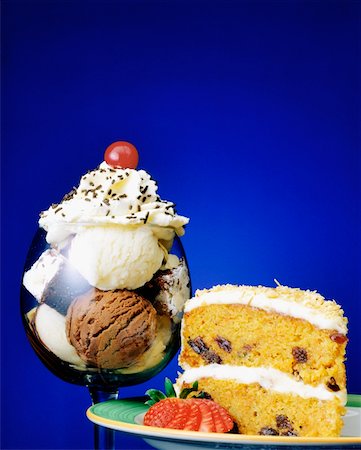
point(247, 114)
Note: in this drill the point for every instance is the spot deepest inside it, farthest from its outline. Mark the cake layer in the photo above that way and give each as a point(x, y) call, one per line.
point(266, 377)
point(260, 411)
point(307, 305)
point(238, 334)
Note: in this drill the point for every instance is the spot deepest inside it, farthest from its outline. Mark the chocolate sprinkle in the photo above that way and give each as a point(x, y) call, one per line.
point(69, 195)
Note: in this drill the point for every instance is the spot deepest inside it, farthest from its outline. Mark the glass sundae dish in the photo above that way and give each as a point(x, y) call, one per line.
point(106, 279)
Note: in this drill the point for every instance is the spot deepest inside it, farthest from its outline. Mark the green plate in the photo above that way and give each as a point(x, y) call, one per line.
point(126, 415)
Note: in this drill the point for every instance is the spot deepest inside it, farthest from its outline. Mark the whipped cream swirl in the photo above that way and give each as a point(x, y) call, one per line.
point(109, 196)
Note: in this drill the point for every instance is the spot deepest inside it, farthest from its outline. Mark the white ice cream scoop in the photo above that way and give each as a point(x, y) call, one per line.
point(116, 256)
point(50, 326)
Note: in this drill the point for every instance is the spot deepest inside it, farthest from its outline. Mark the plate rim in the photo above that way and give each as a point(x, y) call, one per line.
point(185, 435)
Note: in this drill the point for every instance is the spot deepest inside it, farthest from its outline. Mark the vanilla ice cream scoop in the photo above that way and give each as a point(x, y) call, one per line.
point(116, 256)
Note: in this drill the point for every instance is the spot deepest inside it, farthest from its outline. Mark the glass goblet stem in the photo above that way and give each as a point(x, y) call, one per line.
point(103, 437)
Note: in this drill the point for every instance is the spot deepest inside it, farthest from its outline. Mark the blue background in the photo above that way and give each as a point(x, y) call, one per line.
point(247, 114)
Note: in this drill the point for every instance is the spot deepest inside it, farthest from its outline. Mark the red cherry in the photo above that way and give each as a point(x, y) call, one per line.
point(121, 154)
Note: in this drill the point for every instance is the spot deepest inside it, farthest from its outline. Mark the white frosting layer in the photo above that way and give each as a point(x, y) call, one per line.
point(109, 195)
point(277, 303)
point(267, 377)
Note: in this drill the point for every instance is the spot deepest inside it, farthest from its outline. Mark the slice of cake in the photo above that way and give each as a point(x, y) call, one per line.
point(273, 357)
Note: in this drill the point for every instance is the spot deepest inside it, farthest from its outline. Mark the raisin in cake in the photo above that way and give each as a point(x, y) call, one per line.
point(273, 357)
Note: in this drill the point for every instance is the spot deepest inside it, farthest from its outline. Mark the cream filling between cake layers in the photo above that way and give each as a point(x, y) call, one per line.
point(267, 377)
point(262, 301)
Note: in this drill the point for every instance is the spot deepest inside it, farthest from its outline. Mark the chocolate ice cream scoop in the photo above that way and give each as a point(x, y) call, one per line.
point(111, 329)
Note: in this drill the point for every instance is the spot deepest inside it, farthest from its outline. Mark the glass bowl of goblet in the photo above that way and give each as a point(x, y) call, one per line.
point(100, 339)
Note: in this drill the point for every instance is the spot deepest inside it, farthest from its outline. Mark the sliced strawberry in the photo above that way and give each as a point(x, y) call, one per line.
point(194, 414)
point(180, 417)
point(223, 421)
point(160, 414)
point(207, 423)
point(194, 418)
point(214, 417)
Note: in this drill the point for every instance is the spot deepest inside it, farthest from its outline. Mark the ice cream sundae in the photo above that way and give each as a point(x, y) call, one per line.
point(109, 288)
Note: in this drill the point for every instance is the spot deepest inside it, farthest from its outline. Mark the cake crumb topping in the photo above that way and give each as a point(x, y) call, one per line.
point(305, 304)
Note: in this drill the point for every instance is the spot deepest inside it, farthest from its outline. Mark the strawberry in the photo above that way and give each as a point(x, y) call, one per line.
point(214, 417)
point(220, 421)
point(194, 417)
point(207, 423)
point(195, 414)
point(162, 413)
